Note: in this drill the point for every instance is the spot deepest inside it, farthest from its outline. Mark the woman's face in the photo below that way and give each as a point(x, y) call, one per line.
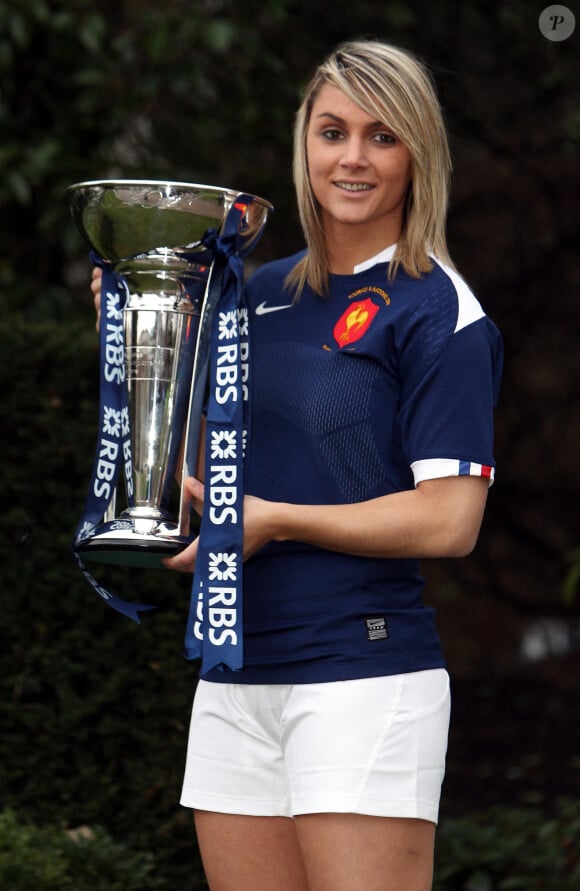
point(359, 170)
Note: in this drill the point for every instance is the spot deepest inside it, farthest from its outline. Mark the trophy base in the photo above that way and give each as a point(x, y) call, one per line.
point(126, 543)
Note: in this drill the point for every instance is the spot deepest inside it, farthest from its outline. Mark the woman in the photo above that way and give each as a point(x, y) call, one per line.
point(318, 766)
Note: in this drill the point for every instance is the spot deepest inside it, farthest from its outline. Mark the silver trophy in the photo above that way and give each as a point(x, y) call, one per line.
point(152, 234)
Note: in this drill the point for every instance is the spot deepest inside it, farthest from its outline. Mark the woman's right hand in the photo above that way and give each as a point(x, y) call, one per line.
point(96, 279)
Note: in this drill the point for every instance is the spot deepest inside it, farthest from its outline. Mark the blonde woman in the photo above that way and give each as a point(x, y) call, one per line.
point(318, 766)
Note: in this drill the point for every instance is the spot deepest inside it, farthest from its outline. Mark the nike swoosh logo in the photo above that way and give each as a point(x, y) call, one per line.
point(262, 309)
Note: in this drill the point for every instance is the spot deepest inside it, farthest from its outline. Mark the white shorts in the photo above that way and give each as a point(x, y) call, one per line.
point(372, 746)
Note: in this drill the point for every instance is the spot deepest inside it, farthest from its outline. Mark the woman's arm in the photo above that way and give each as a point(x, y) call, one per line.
point(440, 518)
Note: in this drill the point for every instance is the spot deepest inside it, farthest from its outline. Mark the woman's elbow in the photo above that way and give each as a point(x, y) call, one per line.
point(463, 547)
point(458, 505)
point(460, 540)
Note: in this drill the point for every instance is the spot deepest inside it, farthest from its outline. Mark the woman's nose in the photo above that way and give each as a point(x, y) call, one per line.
point(354, 154)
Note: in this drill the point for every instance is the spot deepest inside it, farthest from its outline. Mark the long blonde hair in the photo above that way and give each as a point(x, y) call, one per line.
point(395, 88)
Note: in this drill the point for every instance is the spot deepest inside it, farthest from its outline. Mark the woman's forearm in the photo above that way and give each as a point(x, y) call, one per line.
point(441, 518)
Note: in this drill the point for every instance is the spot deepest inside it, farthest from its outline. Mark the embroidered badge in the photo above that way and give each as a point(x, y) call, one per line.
point(377, 628)
point(354, 322)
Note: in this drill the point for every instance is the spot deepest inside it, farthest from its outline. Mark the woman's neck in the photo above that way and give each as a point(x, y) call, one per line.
point(348, 246)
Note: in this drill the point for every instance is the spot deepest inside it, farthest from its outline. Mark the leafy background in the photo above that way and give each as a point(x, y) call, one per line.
point(94, 708)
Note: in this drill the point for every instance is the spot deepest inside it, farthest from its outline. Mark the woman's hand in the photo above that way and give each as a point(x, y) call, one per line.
point(185, 560)
point(96, 280)
point(259, 526)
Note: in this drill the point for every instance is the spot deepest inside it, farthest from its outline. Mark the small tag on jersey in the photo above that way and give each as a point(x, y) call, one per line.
point(377, 629)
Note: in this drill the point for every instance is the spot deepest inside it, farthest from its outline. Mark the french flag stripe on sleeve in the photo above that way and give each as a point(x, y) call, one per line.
point(470, 468)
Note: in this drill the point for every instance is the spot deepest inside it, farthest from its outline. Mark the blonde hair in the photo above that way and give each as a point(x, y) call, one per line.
point(395, 88)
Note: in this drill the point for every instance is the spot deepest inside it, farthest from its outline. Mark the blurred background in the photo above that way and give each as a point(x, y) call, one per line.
point(94, 708)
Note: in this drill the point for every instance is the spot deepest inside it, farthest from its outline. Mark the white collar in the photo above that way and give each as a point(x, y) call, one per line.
point(382, 257)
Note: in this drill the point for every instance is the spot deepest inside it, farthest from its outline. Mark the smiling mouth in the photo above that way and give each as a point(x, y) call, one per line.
point(354, 187)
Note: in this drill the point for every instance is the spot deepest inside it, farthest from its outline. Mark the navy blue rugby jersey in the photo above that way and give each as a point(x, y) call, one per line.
point(358, 394)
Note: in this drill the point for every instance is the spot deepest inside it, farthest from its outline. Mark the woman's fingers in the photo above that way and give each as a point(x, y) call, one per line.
point(185, 560)
point(96, 280)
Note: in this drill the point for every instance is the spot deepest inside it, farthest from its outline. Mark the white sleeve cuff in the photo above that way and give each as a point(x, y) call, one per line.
point(437, 468)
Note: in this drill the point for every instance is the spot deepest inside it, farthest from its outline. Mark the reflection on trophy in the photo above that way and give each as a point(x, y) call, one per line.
point(153, 234)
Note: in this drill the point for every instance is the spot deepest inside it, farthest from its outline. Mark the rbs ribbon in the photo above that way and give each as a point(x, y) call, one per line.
point(214, 629)
point(113, 452)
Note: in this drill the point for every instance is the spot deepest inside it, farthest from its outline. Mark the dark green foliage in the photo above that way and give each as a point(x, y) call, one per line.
point(94, 708)
point(48, 859)
point(510, 849)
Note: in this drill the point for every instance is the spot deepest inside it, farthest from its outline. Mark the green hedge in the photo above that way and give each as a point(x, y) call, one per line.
point(510, 849)
point(94, 709)
point(49, 859)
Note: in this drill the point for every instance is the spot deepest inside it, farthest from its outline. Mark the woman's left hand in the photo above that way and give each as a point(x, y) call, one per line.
point(185, 560)
point(258, 527)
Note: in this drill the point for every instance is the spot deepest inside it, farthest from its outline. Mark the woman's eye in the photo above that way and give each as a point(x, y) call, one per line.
point(331, 134)
point(384, 138)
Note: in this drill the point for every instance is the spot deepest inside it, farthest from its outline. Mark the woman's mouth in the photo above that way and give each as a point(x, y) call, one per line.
point(353, 187)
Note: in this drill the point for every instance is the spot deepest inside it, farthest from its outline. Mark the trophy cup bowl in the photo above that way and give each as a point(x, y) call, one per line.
point(151, 232)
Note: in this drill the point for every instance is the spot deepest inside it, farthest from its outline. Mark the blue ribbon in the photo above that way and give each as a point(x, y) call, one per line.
point(215, 623)
point(113, 452)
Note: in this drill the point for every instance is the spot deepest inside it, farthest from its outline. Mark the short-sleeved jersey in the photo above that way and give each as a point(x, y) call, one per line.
point(363, 392)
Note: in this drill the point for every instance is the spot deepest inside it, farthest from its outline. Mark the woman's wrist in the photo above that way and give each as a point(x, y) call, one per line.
point(281, 520)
